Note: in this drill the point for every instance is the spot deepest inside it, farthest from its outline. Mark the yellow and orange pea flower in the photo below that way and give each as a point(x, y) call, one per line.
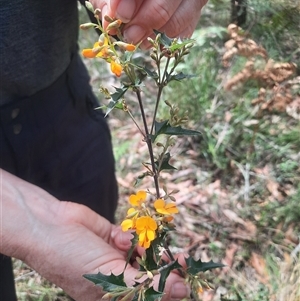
point(116, 68)
point(165, 208)
point(138, 199)
point(102, 49)
point(129, 222)
point(145, 228)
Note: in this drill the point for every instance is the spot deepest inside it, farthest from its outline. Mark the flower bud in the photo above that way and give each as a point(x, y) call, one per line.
point(132, 214)
point(97, 13)
point(115, 24)
point(108, 19)
point(86, 26)
point(101, 39)
point(107, 296)
point(150, 275)
point(151, 41)
point(139, 275)
point(139, 261)
point(125, 46)
point(189, 45)
point(153, 56)
point(89, 6)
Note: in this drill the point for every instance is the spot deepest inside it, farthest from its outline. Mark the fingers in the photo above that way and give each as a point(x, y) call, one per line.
point(82, 215)
point(175, 18)
point(121, 239)
point(175, 288)
point(184, 21)
point(103, 5)
point(124, 9)
point(150, 15)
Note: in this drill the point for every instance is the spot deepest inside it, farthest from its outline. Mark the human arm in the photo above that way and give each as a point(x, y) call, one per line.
point(61, 240)
point(175, 18)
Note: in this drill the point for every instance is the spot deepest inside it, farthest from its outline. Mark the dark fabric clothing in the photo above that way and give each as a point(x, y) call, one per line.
point(37, 39)
point(57, 141)
point(7, 285)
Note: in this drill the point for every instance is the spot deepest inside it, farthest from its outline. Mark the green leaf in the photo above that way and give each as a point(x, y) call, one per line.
point(115, 99)
point(165, 165)
point(119, 93)
point(197, 266)
point(164, 128)
point(140, 178)
point(150, 73)
point(134, 242)
point(152, 295)
point(180, 45)
point(165, 40)
point(180, 76)
point(153, 253)
point(165, 273)
point(111, 283)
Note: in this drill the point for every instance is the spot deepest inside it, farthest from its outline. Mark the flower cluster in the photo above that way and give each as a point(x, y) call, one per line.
point(105, 48)
point(145, 223)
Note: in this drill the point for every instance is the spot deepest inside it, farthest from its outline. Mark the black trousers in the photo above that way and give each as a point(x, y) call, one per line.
point(57, 141)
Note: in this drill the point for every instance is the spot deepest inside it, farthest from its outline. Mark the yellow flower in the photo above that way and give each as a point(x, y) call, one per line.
point(116, 68)
point(163, 208)
point(129, 222)
point(145, 228)
point(138, 198)
point(100, 49)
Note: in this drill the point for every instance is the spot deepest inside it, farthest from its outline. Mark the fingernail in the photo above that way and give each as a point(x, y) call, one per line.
point(114, 232)
point(125, 10)
point(180, 291)
point(134, 34)
point(126, 239)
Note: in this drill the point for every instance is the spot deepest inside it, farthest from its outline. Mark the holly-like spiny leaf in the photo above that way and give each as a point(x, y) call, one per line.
point(179, 76)
point(181, 44)
point(197, 266)
point(134, 242)
point(150, 73)
point(165, 273)
point(165, 128)
point(152, 295)
point(116, 97)
point(153, 253)
point(164, 39)
point(165, 165)
point(110, 283)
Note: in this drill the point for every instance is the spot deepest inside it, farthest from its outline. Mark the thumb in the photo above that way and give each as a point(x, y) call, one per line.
point(121, 239)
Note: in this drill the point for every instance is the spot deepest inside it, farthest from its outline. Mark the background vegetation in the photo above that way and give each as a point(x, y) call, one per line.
point(240, 181)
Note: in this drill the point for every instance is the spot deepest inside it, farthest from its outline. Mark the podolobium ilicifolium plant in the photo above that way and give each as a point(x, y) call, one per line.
point(150, 216)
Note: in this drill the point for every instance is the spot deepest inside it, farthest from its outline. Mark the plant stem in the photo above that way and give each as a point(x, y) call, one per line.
point(136, 124)
point(149, 143)
point(161, 85)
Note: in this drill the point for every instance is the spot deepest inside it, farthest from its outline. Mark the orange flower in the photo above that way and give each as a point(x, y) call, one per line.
point(163, 208)
point(100, 49)
point(129, 222)
point(130, 47)
point(116, 68)
point(145, 228)
point(138, 198)
point(125, 46)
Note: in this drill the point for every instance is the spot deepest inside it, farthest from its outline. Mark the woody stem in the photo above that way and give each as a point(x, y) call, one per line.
point(149, 143)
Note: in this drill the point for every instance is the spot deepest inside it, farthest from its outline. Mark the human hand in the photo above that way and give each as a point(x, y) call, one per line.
point(63, 240)
point(175, 18)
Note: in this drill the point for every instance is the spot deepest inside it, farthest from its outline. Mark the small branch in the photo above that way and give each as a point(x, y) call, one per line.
point(149, 143)
point(161, 85)
point(134, 121)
